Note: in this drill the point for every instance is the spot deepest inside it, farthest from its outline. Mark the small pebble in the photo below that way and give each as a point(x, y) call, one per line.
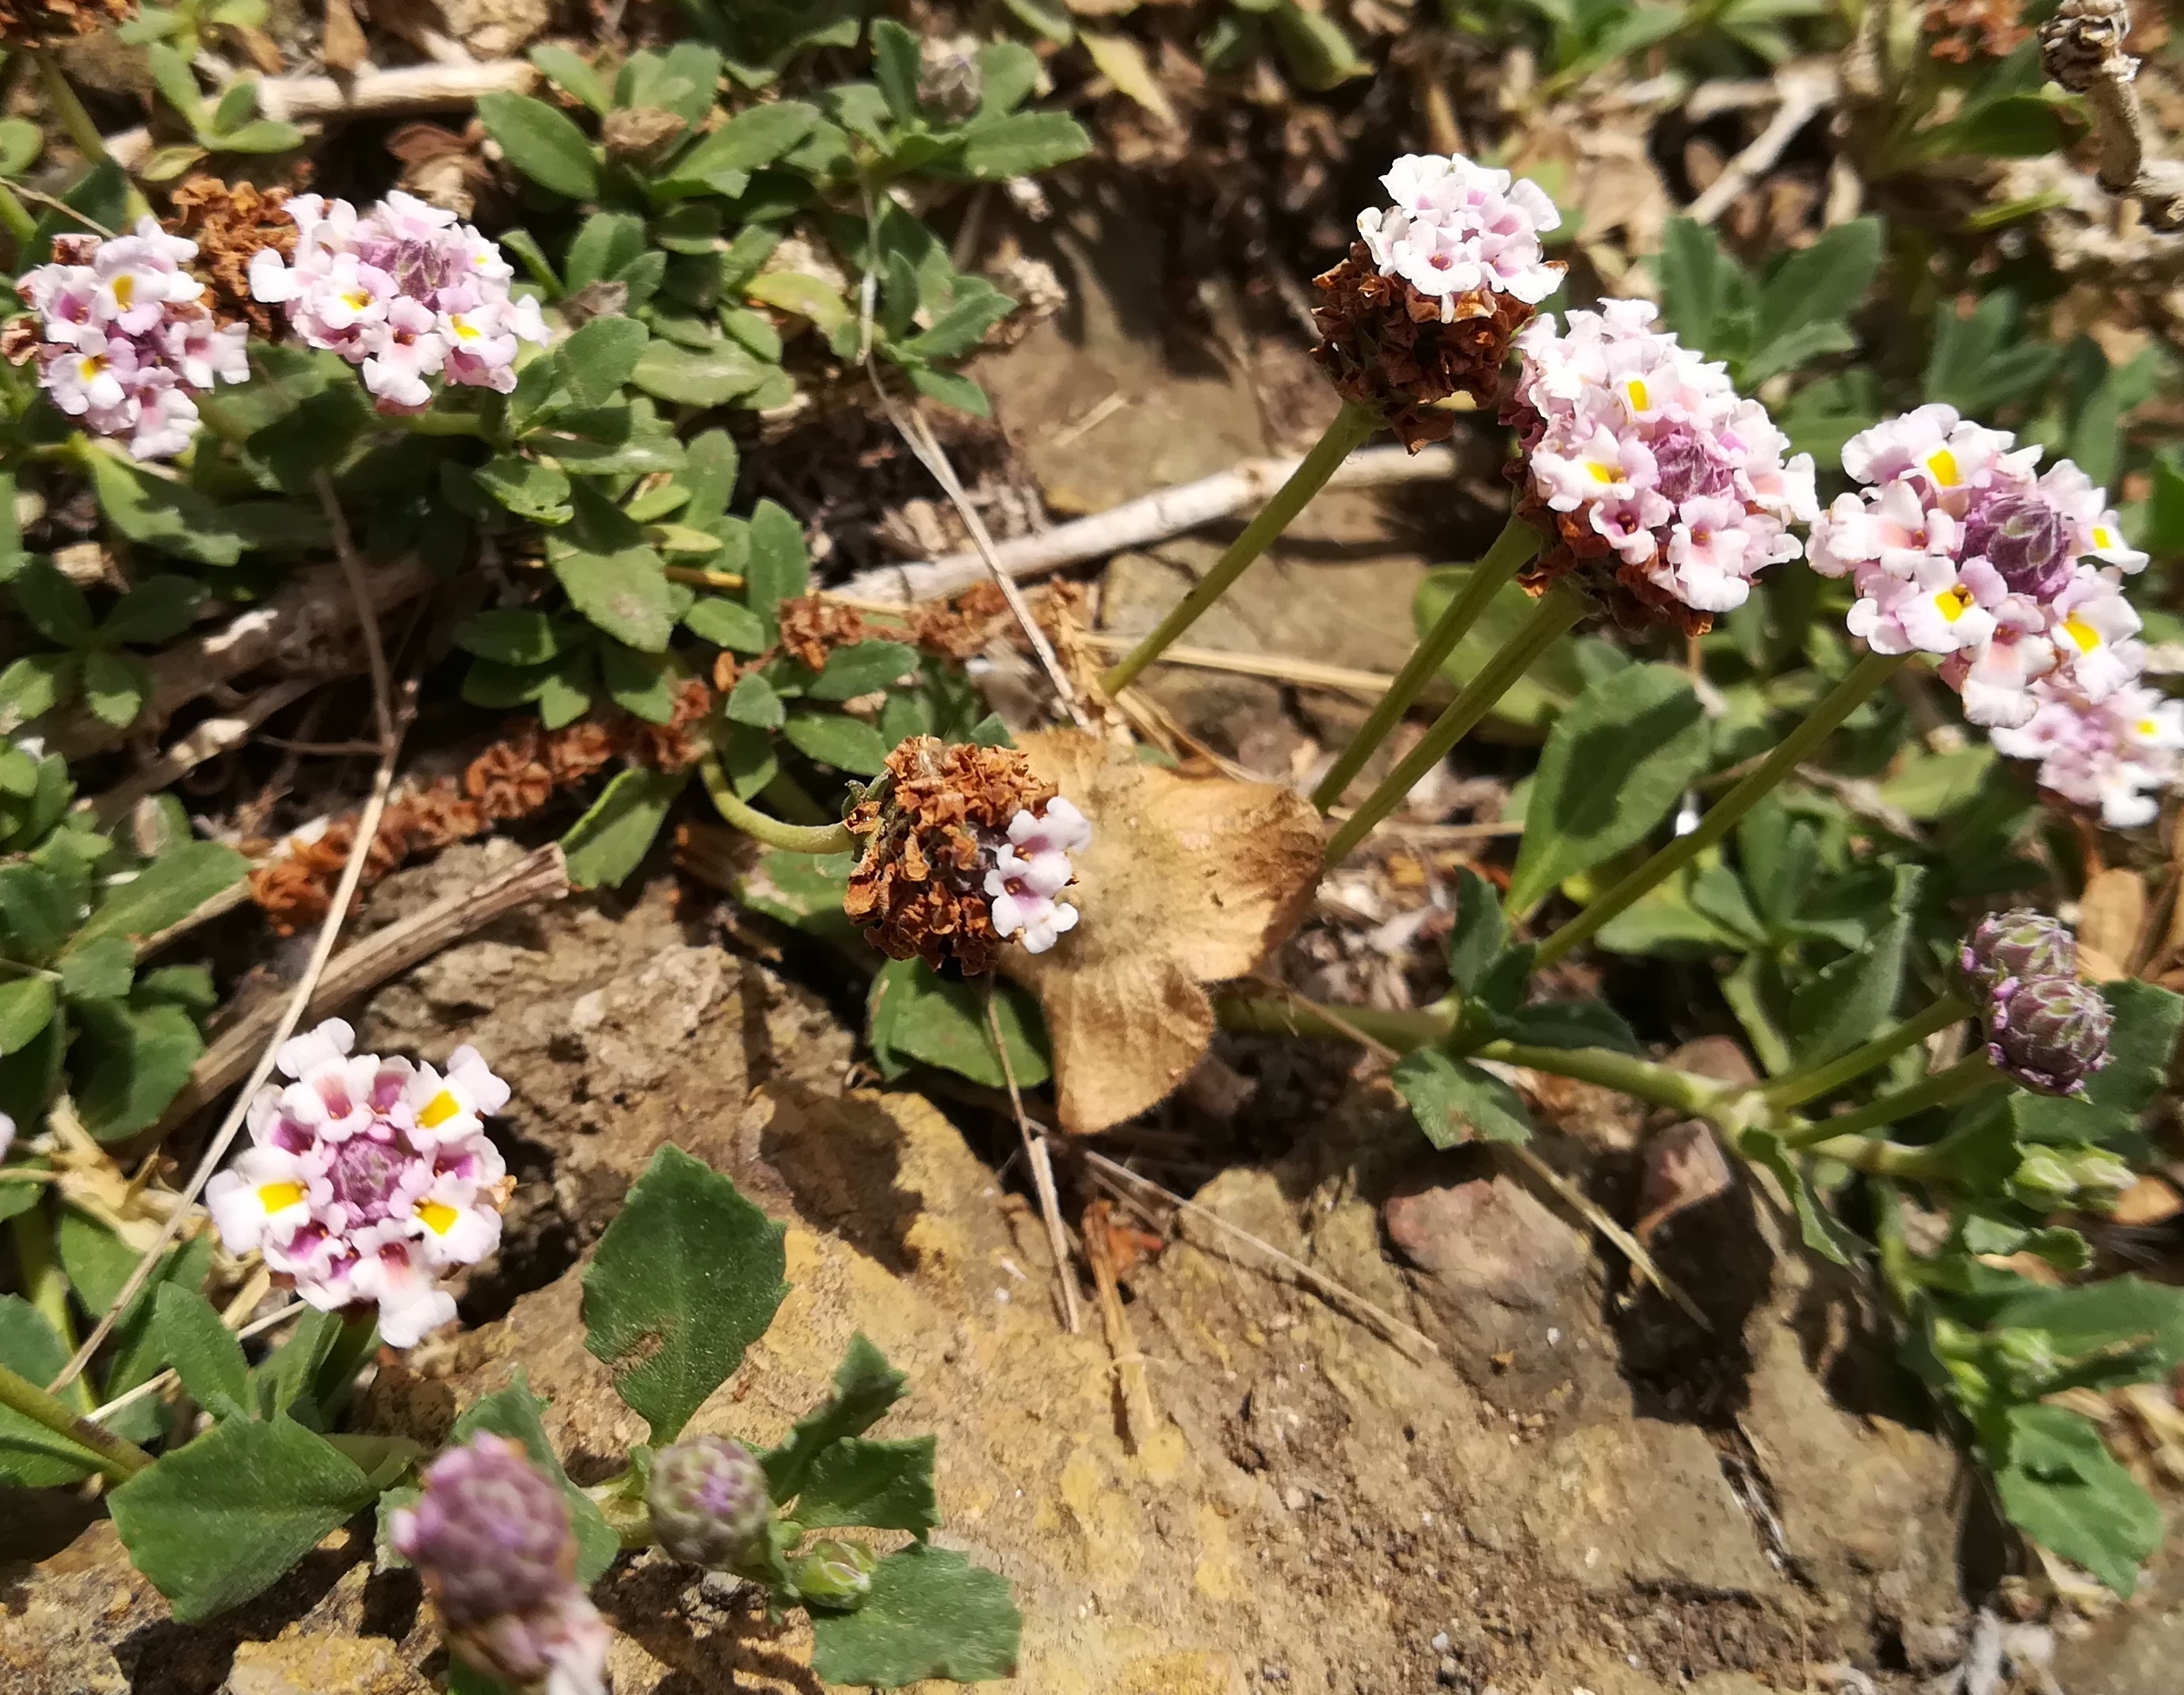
point(1440, 1642)
point(1293, 1499)
point(1451, 1672)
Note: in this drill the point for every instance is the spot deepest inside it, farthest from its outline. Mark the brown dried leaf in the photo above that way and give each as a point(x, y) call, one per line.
point(1189, 881)
point(2110, 913)
point(344, 47)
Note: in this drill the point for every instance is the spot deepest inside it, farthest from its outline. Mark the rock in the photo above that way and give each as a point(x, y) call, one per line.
point(323, 1665)
point(497, 29)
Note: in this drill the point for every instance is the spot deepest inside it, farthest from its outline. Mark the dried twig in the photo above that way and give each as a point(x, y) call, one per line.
point(1384, 1323)
point(1141, 1419)
point(297, 630)
point(1136, 523)
point(2081, 48)
point(368, 94)
point(1280, 667)
point(541, 876)
point(153, 1386)
point(207, 741)
point(1041, 1160)
point(1806, 91)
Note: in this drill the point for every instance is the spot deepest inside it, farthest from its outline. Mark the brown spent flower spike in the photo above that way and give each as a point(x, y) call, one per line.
point(929, 825)
point(47, 23)
point(231, 224)
point(1385, 345)
point(812, 626)
point(1188, 881)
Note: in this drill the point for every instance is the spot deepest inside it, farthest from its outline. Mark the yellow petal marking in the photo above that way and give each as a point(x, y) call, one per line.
point(439, 1217)
point(278, 1197)
point(1943, 465)
point(1635, 389)
point(2081, 632)
point(1601, 474)
point(439, 1109)
point(124, 290)
point(1954, 602)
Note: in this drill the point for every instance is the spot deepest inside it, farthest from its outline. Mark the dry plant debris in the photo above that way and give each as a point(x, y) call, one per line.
point(43, 23)
point(231, 224)
point(1189, 881)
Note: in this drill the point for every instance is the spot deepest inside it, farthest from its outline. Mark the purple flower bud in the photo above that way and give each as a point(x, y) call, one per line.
point(2020, 534)
point(708, 1501)
point(2051, 1034)
point(2016, 947)
point(835, 1574)
point(490, 1537)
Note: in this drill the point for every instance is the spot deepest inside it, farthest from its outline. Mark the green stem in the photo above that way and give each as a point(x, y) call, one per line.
point(1275, 1016)
point(1557, 611)
point(1663, 1085)
point(1965, 1077)
point(1511, 551)
point(16, 219)
point(433, 422)
point(61, 98)
point(118, 1459)
point(1351, 426)
point(1879, 1159)
point(1800, 1086)
point(46, 1288)
point(795, 838)
point(1840, 702)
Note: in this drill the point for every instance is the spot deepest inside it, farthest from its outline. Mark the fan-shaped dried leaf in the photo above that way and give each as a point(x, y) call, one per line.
point(1189, 881)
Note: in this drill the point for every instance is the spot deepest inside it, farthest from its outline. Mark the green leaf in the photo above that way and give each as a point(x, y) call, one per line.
point(2140, 1042)
point(130, 1062)
point(31, 1456)
point(625, 593)
point(1571, 1024)
point(1021, 144)
point(510, 635)
point(1796, 348)
point(896, 67)
point(753, 701)
point(27, 1005)
point(176, 83)
point(1615, 765)
point(709, 473)
point(1314, 49)
point(157, 609)
point(525, 486)
point(2014, 126)
point(721, 163)
point(541, 143)
point(1823, 1233)
point(2067, 1492)
point(916, 1015)
point(883, 1485)
point(604, 244)
point(33, 684)
point(114, 685)
point(726, 624)
point(260, 136)
point(205, 1355)
point(283, 1380)
point(1479, 933)
point(1702, 287)
point(864, 1387)
point(951, 388)
point(513, 1412)
point(807, 296)
point(54, 605)
point(610, 841)
point(689, 378)
point(600, 358)
point(977, 307)
point(1849, 1002)
point(170, 516)
point(780, 566)
point(848, 744)
point(1454, 1102)
point(219, 1520)
point(686, 1278)
point(862, 668)
point(20, 142)
point(167, 891)
point(37, 911)
point(574, 77)
point(1822, 285)
point(99, 968)
point(930, 1614)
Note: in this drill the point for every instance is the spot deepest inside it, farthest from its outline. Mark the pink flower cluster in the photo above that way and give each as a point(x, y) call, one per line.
point(125, 342)
point(2117, 753)
point(1031, 869)
point(1960, 550)
point(405, 292)
point(367, 1178)
point(1651, 452)
point(1456, 227)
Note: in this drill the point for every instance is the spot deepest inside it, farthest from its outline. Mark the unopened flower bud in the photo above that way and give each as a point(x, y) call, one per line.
point(708, 1502)
point(2018, 946)
point(2026, 1358)
point(950, 84)
point(2020, 534)
point(835, 1574)
point(2051, 1034)
point(639, 135)
point(491, 1539)
point(2087, 1178)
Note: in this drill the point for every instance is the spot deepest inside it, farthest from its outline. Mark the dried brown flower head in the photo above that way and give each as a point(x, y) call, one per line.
point(1188, 881)
point(960, 627)
point(1573, 549)
point(230, 223)
point(676, 745)
point(47, 23)
point(1960, 31)
point(578, 750)
point(929, 827)
point(1386, 346)
point(812, 626)
point(510, 780)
